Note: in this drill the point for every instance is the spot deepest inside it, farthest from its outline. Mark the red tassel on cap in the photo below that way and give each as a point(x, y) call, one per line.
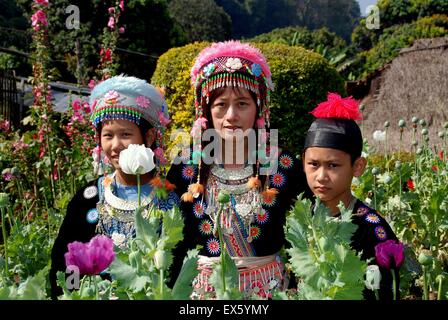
point(338, 107)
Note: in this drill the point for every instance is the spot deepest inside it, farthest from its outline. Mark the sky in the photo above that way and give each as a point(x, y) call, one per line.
point(363, 4)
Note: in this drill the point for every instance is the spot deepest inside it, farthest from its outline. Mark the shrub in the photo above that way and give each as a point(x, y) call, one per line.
point(302, 79)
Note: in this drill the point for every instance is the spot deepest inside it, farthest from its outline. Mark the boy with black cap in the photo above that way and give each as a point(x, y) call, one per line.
point(331, 158)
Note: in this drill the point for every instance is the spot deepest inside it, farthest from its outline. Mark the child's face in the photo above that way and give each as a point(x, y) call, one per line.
point(329, 173)
point(117, 135)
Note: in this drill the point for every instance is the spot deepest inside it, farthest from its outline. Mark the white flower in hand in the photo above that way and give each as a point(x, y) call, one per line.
point(373, 277)
point(136, 159)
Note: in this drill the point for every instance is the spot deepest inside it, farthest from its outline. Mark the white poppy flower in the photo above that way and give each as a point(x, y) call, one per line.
point(136, 159)
point(373, 277)
point(379, 135)
point(119, 239)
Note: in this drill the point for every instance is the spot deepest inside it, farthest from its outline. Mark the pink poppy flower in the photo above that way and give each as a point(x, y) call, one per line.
point(93, 257)
point(91, 84)
point(42, 2)
point(389, 254)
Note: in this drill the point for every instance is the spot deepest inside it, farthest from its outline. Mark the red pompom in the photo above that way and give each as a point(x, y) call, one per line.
point(337, 107)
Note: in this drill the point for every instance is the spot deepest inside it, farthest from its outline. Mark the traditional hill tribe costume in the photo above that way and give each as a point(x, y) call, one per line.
point(105, 206)
point(335, 128)
point(252, 222)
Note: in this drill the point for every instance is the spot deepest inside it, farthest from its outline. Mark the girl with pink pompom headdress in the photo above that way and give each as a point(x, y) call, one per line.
point(232, 86)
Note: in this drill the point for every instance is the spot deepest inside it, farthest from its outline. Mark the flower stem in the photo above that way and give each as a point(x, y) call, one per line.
point(162, 280)
point(5, 245)
point(425, 285)
point(439, 291)
point(221, 242)
point(394, 288)
point(138, 190)
point(97, 292)
point(374, 192)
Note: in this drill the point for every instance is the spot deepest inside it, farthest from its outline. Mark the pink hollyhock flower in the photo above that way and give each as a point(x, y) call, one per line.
point(42, 2)
point(389, 254)
point(111, 23)
point(92, 82)
point(121, 30)
point(163, 120)
point(86, 106)
point(93, 257)
point(76, 105)
point(5, 125)
point(38, 19)
point(122, 5)
point(111, 10)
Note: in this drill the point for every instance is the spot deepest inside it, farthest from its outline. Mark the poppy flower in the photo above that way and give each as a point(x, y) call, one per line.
point(93, 257)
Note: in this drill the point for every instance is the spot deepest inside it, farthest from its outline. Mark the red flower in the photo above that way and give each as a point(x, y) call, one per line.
point(410, 184)
point(389, 254)
point(441, 155)
point(435, 168)
point(93, 257)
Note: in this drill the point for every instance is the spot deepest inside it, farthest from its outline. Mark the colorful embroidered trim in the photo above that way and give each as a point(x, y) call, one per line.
point(278, 180)
point(213, 246)
point(286, 162)
point(372, 218)
point(206, 228)
point(92, 216)
point(380, 233)
point(115, 113)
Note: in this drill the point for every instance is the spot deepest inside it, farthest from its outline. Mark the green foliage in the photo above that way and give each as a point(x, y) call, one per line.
point(387, 45)
point(302, 80)
point(395, 12)
point(263, 16)
point(231, 290)
point(300, 36)
point(201, 20)
point(321, 256)
point(33, 288)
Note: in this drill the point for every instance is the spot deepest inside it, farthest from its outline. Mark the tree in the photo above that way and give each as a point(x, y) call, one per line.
point(253, 17)
point(201, 20)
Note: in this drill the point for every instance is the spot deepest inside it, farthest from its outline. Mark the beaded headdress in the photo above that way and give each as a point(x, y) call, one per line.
point(132, 99)
point(232, 63)
point(335, 126)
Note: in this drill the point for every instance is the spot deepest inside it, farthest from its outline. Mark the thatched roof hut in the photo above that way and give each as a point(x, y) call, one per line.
point(413, 84)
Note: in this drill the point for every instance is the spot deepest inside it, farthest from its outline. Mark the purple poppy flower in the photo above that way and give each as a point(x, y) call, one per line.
point(389, 254)
point(93, 257)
